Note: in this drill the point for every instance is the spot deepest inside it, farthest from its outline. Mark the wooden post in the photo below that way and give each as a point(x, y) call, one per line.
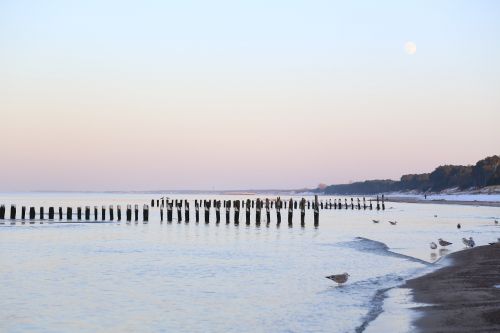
point(23, 213)
point(119, 212)
point(227, 206)
point(197, 211)
point(345, 200)
point(129, 213)
point(152, 203)
point(217, 212)
point(136, 213)
point(186, 211)
point(247, 210)
point(169, 211)
point(87, 213)
point(268, 212)
point(321, 204)
point(237, 212)
point(290, 213)
point(258, 207)
point(302, 212)
point(161, 214)
point(308, 204)
point(145, 213)
point(207, 210)
point(32, 214)
point(371, 205)
point(96, 213)
point(79, 213)
point(378, 203)
point(60, 213)
point(383, 202)
point(359, 204)
point(51, 213)
point(69, 213)
point(13, 212)
point(278, 212)
point(157, 202)
point(364, 203)
point(316, 212)
point(2, 212)
point(179, 213)
point(42, 215)
point(352, 203)
point(111, 213)
point(103, 213)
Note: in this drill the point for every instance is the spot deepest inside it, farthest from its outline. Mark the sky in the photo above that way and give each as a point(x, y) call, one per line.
point(149, 95)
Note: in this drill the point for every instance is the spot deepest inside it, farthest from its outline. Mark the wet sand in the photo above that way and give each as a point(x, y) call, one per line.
point(443, 202)
point(461, 297)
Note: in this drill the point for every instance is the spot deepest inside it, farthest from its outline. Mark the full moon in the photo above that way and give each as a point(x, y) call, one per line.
point(410, 48)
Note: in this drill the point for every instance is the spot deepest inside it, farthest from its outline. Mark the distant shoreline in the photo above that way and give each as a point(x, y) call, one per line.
point(461, 297)
point(443, 202)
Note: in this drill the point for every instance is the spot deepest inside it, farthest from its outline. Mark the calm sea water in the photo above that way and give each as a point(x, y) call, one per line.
point(178, 277)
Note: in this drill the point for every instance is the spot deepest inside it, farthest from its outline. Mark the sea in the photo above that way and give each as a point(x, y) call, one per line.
point(59, 276)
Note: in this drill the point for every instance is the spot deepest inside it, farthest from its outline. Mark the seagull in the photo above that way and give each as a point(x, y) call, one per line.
point(471, 242)
point(466, 242)
point(498, 241)
point(459, 226)
point(443, 242)
point(339, 278)
point(393, 222)
point(376, 221)
point(433, 245)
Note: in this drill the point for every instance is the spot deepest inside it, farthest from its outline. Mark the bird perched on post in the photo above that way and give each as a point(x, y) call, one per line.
point(433, 245)
point(339, 278)
point(443, 242)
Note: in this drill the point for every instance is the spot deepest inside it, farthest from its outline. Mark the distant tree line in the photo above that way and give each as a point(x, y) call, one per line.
point(486, 172)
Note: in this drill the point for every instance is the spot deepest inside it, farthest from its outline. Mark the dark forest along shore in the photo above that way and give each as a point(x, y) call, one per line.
point(461, 297)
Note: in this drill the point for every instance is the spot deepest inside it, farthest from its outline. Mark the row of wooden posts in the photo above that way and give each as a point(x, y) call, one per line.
point(79, 214)
point(380, 203)
point(132, 213)
point(237, 206)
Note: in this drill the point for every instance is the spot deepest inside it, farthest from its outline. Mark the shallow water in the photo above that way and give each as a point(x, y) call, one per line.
point(178, 277)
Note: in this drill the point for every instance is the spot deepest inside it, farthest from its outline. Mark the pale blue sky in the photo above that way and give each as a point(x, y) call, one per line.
point(86, 86)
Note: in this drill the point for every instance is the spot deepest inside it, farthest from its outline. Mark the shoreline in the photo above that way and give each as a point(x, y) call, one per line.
point(462, 296)
point(442, 201)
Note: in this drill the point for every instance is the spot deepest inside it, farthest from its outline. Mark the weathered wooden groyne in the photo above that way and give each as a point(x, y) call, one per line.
point(253, 211)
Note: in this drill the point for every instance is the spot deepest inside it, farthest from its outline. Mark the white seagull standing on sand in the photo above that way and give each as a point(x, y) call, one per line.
point(466, 242)
point(433, 245)
point(339, 278)
point(443, 242)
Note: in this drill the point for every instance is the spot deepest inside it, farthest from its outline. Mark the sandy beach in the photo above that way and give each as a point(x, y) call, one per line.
point(443, 202)
point(461, 297)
